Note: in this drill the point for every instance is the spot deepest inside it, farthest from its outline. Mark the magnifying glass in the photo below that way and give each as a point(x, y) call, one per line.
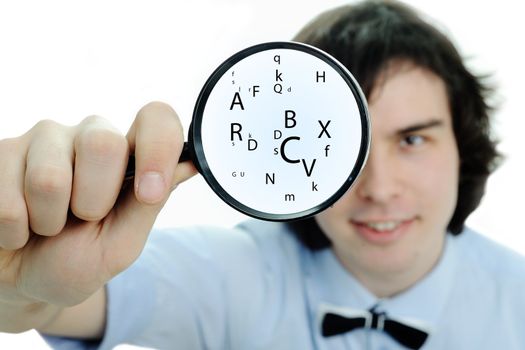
point(280, 131)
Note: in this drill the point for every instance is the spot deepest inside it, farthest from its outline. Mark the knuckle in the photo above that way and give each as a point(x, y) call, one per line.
point(87, 214)
point(48, 179)
point(47, 224)
point(102, 143)
point(8, 145)
point(12, 220)
point(15, 242)
point(93, 119)
point(43, 129)
point(46, 124)
point(47, 231)
point(155, 113)
point(10, 214)
point(155, 107)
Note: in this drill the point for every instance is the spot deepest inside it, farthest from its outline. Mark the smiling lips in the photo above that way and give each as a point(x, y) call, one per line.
point(382, 231)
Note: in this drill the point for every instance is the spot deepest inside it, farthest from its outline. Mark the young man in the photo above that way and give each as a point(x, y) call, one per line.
point(389, 266)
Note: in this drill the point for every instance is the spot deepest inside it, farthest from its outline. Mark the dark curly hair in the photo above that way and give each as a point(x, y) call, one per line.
point(365, 37)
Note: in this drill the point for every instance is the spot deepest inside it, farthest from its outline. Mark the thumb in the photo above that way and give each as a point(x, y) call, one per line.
point(156, 139)
point(131, 221)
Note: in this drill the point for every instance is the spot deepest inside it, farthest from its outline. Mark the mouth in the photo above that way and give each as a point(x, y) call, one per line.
point(382, 231)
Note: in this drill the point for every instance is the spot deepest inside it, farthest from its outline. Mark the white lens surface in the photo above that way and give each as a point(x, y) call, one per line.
point(282, 131)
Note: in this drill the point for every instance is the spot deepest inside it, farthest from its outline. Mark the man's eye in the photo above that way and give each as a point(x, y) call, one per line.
point(412, 140)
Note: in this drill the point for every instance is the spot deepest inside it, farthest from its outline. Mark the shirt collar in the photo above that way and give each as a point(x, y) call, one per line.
point(427, 299)
point(329, 283)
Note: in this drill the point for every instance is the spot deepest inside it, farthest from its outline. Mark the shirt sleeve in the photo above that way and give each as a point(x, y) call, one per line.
point(188, 290)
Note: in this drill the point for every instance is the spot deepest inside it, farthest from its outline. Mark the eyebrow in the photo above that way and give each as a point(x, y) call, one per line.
point(421, 126)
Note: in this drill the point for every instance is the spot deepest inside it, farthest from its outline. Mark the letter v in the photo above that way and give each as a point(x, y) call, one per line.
point(309, 171)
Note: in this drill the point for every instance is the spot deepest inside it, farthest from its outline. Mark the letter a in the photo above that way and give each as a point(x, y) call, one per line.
point(237, 101)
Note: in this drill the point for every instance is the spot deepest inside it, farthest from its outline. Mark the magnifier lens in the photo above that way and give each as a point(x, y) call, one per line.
point(280, 131)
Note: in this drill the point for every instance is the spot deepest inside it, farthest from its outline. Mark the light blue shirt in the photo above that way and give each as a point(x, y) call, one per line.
point(257, 287)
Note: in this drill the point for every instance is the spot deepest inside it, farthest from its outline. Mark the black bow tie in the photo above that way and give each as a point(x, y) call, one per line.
point(408, 336)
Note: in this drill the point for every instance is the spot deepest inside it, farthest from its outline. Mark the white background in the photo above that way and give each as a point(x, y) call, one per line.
point(65, 60)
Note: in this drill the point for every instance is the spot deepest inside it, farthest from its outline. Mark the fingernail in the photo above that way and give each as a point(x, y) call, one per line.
point(151, 188)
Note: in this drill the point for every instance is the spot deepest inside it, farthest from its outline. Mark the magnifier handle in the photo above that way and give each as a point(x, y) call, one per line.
point(130, 169)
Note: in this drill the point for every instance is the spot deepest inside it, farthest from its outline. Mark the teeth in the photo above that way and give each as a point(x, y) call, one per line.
point(383, 226)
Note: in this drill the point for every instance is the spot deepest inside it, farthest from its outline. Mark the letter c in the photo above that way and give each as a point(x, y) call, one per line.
point(283, 154)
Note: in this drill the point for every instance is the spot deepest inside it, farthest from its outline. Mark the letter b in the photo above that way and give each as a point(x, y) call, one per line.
point(289, 121)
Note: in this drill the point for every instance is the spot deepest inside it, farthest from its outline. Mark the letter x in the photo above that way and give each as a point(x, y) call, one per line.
point(323, 131)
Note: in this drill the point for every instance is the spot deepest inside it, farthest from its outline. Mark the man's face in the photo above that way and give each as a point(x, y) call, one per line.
point(393, 220)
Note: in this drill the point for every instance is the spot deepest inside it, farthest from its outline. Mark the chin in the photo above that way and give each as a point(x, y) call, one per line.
point(391, 254)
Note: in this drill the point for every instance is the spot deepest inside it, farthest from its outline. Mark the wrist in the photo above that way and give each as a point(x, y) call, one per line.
point(22, 316)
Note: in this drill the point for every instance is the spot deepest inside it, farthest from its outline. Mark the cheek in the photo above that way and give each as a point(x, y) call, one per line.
point(330, 217)
point(334, 220)
point(439, 185)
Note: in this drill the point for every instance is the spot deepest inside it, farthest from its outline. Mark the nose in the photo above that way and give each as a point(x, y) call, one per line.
point(380, 180)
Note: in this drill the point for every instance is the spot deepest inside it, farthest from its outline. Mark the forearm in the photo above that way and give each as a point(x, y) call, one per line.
point(85, 320)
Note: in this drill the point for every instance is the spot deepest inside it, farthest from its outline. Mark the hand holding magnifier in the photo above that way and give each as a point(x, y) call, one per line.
point(280, 131)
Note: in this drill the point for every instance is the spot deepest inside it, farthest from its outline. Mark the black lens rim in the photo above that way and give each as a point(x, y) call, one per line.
point(195, 139)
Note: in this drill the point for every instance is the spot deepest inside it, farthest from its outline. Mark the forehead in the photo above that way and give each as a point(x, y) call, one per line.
point(405, 93)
